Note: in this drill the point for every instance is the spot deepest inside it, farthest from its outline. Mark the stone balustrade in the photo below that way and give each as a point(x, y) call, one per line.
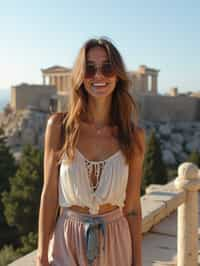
point(188, 181)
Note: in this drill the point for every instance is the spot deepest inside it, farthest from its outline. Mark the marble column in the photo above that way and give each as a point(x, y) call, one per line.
point(61, 83)
point(55, 82)
point(144, 83)
point(44, 79)
point(154, 85)
point(65, 83)
point(50, 80)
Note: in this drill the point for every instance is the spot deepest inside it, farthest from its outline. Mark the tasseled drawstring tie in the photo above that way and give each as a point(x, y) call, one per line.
point(92, 227)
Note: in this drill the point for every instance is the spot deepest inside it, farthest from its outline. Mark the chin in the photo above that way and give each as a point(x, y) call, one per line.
point(100, 95)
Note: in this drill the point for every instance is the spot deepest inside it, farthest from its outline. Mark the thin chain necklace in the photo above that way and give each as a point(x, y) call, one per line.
point(99, 129)
point(103, 130)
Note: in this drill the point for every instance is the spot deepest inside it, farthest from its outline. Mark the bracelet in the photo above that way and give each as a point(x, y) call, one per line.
point(132, 213)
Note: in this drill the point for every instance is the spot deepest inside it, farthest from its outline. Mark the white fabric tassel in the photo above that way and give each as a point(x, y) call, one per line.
point(98, 167)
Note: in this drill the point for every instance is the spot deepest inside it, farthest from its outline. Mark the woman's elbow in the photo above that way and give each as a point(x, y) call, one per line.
point(48, 196)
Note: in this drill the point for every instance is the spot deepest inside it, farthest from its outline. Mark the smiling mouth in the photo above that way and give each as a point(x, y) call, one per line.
point(99, 84)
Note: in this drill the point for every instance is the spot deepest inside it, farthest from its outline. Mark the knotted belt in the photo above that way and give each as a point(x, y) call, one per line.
point(92, 227)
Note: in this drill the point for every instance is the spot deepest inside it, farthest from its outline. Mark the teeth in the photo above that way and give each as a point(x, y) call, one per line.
point(99, 84)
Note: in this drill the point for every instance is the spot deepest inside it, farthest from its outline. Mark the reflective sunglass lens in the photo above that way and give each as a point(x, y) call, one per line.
point(107, 70)
point(90, 71)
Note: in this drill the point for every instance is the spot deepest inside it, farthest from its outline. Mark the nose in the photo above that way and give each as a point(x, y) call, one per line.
point(98, 72)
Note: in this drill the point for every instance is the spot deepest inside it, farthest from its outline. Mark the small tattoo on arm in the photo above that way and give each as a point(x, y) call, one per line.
point(132, 213)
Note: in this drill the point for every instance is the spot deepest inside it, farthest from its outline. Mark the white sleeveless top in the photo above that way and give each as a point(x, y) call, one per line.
point(74, 182)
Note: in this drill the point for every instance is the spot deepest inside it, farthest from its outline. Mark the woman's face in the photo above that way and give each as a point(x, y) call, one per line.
point(99, 85)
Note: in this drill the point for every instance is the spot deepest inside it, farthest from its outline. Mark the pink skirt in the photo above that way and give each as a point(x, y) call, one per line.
point(74, 240)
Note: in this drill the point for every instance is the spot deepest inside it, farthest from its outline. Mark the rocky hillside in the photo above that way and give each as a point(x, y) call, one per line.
point(24, 127)
point(177, 139)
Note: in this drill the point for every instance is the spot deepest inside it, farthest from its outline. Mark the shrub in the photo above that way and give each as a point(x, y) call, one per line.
point(8, 255)
point(154, 170)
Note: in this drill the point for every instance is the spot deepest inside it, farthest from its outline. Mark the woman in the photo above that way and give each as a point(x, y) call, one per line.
point(92, 168)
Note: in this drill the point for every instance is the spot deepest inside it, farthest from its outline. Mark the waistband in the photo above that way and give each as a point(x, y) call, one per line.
point(93, 224)
point(81, 217)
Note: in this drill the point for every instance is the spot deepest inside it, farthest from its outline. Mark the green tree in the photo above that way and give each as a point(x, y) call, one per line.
point(7, 169)
point(21, 203)
point(154, 169)
point(28, 244)
point(172, 172)
point(194, 157)
point(8, 255)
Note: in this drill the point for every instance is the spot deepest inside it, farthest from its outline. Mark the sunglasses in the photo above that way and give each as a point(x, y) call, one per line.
point(106, 69)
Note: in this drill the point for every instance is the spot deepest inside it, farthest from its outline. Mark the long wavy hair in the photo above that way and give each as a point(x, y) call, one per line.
point(123, 105)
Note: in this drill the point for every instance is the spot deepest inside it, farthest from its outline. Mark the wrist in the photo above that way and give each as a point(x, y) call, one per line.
point(42, 258)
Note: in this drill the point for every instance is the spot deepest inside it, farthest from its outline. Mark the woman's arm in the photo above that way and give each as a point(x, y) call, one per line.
point(132, 208)
point(49, 195)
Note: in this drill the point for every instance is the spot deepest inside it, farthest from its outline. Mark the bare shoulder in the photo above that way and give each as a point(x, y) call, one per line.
point(53, 131)
point(140, 132)
point(55, 119)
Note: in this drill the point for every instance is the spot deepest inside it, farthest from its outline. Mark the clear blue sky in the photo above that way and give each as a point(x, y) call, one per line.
point(161, 34)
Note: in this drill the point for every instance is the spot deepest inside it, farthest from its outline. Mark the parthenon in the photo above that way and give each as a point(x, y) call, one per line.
point(58, 76)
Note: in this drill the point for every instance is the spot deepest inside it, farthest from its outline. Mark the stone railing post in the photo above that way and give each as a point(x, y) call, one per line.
point(187, 226)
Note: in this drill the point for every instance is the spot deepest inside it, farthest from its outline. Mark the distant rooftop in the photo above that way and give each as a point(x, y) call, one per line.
point(31, 86)
point(56, 68)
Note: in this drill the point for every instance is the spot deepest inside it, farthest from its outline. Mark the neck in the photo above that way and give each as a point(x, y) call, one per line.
point(99, 112)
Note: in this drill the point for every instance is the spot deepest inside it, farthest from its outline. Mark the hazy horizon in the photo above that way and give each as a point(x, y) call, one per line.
point(4, 98)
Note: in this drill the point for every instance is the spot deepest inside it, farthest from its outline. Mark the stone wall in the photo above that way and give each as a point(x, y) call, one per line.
point(151, 107)
point(167, 108)
point(25, 95)
point(62, 102)
point(157, 108)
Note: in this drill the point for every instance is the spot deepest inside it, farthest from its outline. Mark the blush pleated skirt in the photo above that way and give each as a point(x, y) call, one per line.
point(68, 244)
